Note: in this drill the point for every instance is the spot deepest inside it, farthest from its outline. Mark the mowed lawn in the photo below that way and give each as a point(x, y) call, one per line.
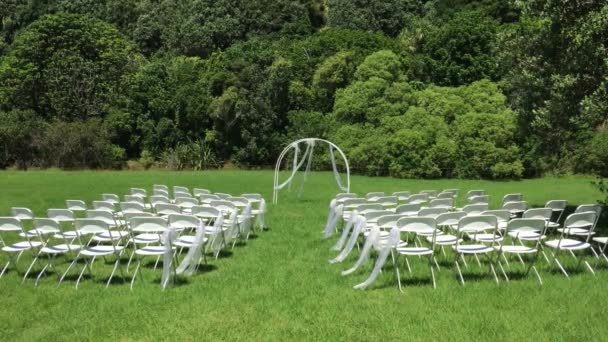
point(279, 285)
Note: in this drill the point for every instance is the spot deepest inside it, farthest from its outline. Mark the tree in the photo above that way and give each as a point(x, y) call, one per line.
point(382, 15)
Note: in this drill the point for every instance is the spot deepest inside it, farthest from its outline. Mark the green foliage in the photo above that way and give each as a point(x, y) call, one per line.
point(18, 134)
point(83, 61)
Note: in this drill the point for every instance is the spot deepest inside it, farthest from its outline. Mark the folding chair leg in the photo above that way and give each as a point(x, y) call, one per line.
point(40, 274)
point(130, 259)
point(113, 271)
point(492, 268)
point(459, 272)
point(431, 258)
point(409, 269)
point(477, 258)
point(135, 273)
point(436, 264)
point(502, 269)
point(5, 268)
point(397, 274)
point(560, 265)
point(504, 256)
point(66, 271)
point(35, 261)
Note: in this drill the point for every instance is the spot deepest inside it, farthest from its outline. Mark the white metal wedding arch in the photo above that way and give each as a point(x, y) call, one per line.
point(307, 158)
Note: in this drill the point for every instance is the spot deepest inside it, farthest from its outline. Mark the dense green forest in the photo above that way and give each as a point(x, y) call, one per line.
point(409, 88)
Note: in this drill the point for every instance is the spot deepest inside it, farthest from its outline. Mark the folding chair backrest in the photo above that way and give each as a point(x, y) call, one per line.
point(431, 212)
point(353, 202)
point(75, 205)
point(102, 215)
point(473, 193)
point(449, 219)
point(186, 201)
point(430, 193)
point(22, 213)
point(512, 198)
point(345, 195)
point(374, 214)
point(445, 195)
point(198, 191)
point(61, 215)
point(154, 200)
point(387, 199)
point(160, 187)
point(388, 221)
point(475, 209)
point(557, 205)
point(167, 209)
point(223, 195)
point(402, 195)
point(527, 224)
point(238, 200)
point(221, 205)
point(580, 220)
point(538, 213)
point(205, 211)
point(477, 223)
point(408, 209)
point(501, 215)
point(143, 224)
point(418, 198)
point(363, 208)
point(209, 197)
point(104, 205)
point(519, 206)
point(131, 207)
point(135, 199)
point(180, 221)
point(111, 198)
point(594, 208)
point(418, 224)
point(10, 224)
point(138, 192)
point(373, 195)
point(479, 199)
point(46, 223)
point(180, 189)
point(129, 216)
point(90, 226)
point(160, 192)
point(454, 192)
point(447, 203)
point(250, 196)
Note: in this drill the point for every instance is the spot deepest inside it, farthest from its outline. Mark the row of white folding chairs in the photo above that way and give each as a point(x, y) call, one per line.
point(527, 229)
point(473, 196)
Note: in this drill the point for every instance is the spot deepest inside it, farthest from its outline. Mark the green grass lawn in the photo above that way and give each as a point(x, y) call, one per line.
point(279, 285)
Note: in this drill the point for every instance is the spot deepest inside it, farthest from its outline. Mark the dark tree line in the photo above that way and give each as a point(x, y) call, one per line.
point(409, 88)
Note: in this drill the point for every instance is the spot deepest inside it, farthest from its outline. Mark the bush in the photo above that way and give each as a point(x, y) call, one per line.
point(146, 159)
point(18, 132)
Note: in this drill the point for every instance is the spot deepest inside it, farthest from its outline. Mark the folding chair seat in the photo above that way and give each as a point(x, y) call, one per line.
point(515, 228)
point(582, 224)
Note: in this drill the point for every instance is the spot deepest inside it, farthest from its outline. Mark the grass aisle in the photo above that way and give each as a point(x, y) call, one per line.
point(280, 286)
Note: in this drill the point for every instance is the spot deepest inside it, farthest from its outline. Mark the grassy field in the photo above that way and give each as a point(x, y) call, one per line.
point(279, 286)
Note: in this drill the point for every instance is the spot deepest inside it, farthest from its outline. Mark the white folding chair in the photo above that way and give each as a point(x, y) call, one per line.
point(186, 203)
point(580, 225)
point(90, 227)
point(166, 209)
point(12, 226)
point(131, 207)
point(473, 193)
point(206, 213)
point(371, 196)
point(408, 209)
point(160, 187)
point(387, 201)
point(454, 192)
point(112, 198)
point(182, 222)
point(418, 199)
point(445, 203)
point(160, 192)
point(516, 208)
point(512, 198)
point(475, 209)
point(431, 212)
point(424, 226)
point(226, 207)
point(138, 192)
point(515, 228)
point(432, 194)
point(148, 226)
point(481, 199)
point(558, 207)
point(104, 205)
point(197, 191)
point(449, 222)
point(444, 194)
point(180, 189)
point(156, 199)
point(503, 217)
point(207, 198)
point(472, 225)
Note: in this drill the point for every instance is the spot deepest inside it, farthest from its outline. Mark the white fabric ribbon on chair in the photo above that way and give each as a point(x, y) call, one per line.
point(168, 237)
point(333, 222)
point(260, 218)
point(360, 223)
point(349, 224)
point(218, 235)
point(374, 234)
point(190, 262)
point(386, 248)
